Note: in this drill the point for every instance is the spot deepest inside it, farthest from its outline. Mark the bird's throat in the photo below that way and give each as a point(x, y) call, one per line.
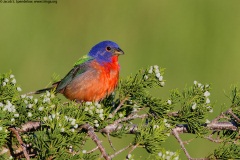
point(113, 65)
point(115, 59)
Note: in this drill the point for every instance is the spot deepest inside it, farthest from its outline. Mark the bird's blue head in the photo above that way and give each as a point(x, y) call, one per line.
point(105, 50)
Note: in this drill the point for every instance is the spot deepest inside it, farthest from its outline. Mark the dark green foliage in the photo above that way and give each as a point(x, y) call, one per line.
point(193, 104)
point(230, 147)
point(54, 143)
point(151, 135)
point(135, 90)
point(60, 121)
point(61, 136)
point(157, 106)
point(135, 87)
point(235, 99)
point(228, 150)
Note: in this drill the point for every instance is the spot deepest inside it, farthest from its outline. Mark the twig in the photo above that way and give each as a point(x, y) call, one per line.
point(94, 149)
point(174, 114)
point(110, 142)
point(133, 148)
point(84, 141)
point(118, 152)
point(229, 111)
point(116, 124)
point(188, 141)
point(94, 137)
point(222, 115)
point(30, 93)
point(23, 146)
point(130, 117)
point(29, 126)
point(213, 140)
point(176, 135)
point(119, 106)
point(221, 126)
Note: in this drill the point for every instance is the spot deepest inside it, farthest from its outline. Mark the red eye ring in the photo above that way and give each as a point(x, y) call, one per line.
point(108, 48)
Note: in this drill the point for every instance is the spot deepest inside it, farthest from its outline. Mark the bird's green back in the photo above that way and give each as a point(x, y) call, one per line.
point(79, 68)
point(83, 59)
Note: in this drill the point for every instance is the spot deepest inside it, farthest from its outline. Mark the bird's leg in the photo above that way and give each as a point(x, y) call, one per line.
point(80, 103)
point(65, 103)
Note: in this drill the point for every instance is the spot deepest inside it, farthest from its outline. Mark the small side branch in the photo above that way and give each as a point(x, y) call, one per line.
point(210, 138)
point(117, 123)
point(23, 146)
point(94, 149)
point(221, 126)
point(29, 126)
point(230, 112)
point(120, 151)
point(175, 132)
point(133, 148)
point(94, 137)
point(110, 142)
point(119, 106)
point(131, 117)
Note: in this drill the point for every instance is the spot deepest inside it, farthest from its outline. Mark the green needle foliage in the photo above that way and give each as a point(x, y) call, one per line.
point(151, 136)
point(227, 151)
point(194, 104)
point(60, 133)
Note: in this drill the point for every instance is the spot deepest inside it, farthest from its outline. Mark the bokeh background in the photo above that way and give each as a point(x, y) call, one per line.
point(192, 39)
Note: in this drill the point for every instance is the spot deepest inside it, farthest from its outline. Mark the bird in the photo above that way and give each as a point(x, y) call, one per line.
point(93, 77)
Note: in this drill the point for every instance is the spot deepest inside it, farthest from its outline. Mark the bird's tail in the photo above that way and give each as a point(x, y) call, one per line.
point(43, 90)
point(54, 85)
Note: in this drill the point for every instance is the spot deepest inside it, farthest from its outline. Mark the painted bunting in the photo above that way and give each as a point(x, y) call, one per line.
point(93, 77)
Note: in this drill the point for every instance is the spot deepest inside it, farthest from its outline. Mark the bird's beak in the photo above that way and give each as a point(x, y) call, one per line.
point(118, 51)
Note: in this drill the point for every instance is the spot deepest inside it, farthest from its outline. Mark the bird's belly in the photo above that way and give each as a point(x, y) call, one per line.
point(91, 87)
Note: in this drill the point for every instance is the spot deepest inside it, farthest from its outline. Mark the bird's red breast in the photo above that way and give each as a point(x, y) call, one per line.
point(96, 83)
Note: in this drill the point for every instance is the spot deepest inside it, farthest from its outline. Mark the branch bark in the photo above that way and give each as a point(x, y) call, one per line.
point(119, 106)
point(94, 137)
point(118, 152)
point(117, 123)
point(23, 146)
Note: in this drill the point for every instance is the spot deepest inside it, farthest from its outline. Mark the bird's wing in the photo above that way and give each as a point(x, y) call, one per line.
point(79, 67)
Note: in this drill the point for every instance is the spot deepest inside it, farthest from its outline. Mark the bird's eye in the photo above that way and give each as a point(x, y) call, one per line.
point(108, 48)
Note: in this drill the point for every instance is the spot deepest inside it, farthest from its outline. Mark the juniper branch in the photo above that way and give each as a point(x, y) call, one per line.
point(222, 126)
point(23, 146)
point(116, 124)
point(133, 148)
point(130, 117)
point(175, 132)
point(29, 126)
point(230, 112)
point(121, 150)
point(94, 137)
point(119, 106)
point(110, 142)
point(213, 140)
point(92, 150)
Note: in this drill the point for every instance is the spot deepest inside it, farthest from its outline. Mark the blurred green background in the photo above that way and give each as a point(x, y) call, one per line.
point(192, 39)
